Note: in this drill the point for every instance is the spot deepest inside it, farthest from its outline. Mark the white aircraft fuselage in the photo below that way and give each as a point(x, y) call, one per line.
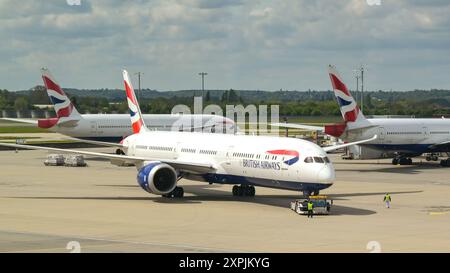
point(411, 136)
point(115, 127)
point(240, 159)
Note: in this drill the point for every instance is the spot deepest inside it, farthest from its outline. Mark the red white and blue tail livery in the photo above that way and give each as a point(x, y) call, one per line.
point(137, 121)
point(63, 105)
point(349, 109)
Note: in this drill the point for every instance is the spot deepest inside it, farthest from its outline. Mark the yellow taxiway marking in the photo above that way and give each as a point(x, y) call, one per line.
point(439, 212)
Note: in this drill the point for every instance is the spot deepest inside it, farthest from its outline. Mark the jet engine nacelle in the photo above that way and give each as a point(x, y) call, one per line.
point(157, 178)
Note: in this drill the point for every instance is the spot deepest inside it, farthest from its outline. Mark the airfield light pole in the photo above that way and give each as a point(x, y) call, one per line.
point(203, 74)
point(139, 84)
point(357, 84)
point(362, 88)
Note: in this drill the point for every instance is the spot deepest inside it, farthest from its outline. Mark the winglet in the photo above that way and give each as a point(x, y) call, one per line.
point(137, 122)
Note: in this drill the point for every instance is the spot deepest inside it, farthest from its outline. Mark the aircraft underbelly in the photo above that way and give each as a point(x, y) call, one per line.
point(262, 182)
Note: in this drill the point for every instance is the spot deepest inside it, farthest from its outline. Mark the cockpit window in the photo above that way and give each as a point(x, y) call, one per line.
point(318, 159)
point(309, 160)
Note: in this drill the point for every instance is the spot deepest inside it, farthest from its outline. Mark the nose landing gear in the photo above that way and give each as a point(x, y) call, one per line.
point(401, 161)
point(178, 192)
point(445, 162)
point(308, 193)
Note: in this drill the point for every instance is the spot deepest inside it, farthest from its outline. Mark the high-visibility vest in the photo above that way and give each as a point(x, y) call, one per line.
point(387, 198)
point(310, 206)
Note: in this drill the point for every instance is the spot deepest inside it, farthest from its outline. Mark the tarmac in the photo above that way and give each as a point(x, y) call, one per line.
point(102, 209)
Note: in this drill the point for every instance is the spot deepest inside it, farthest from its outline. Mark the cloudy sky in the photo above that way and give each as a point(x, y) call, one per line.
point(254, 44)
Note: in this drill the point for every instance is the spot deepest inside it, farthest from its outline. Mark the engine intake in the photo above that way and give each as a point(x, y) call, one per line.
point(157, 178)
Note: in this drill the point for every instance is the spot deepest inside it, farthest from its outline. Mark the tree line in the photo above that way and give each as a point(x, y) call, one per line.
point(420, 103)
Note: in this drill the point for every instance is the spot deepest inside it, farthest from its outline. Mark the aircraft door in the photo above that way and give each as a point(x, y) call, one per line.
point(93, 127)
point(381, 133)
point(229, 162)
point(131, 149)
point(176, 150)
point(425, 132)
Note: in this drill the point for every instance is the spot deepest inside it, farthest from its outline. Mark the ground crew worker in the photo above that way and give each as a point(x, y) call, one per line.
point(388, 199)
point(310, 209)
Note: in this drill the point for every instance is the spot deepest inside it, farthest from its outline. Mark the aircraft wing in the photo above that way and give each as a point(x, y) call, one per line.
point(193, 128)
point(100, 143)
point(298, 126)
point(29, 121)
point(315, 128)
point(195, 167)
point(441, 145)
point(335, 147)
point(64, 122)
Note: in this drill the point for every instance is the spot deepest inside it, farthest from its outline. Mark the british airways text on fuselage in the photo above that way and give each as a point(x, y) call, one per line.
point(261, 164)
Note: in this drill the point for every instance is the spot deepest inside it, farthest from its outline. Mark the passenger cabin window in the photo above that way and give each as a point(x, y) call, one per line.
point(142, 147)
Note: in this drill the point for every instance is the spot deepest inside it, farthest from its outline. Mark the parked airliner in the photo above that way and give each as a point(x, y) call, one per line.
point(114, 127)
point(400, 138)
point(162, 158)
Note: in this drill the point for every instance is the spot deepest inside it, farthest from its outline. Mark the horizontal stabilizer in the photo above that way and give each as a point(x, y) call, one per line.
point(298, 126)
point(63, 122)
point(29, 121)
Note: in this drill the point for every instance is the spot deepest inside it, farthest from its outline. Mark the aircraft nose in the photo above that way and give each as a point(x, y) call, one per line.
point(326, 174)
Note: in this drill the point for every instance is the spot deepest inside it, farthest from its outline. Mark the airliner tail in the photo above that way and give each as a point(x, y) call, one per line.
point(63, 106)
point(137, 121)
point(350, 111)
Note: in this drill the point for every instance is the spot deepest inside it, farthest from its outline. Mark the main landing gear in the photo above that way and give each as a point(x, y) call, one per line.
point(178, 192)
point(243, 190)
point(445, 162)
point(432, 157)
point(402, 161)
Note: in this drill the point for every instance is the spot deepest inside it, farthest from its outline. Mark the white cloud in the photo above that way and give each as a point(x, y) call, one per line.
point(257, 44)
point(261, 12)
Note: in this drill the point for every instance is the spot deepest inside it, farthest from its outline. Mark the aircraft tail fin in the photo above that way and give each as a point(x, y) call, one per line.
point(63, 106)
point(350, 111)
point(137, 121)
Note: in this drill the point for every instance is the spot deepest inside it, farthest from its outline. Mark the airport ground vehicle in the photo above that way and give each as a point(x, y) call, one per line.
point(321, 205)
point(54, 160)
point(74, 161)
